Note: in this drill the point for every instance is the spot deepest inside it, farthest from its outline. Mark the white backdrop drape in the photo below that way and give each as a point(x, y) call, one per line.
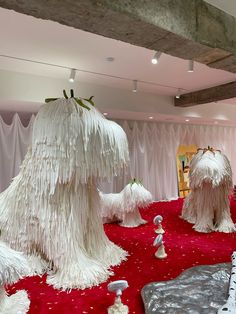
point(14, 140)
point(153, 147)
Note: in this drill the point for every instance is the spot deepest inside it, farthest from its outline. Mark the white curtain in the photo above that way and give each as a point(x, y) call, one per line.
point(14, 140)
point(153, 147)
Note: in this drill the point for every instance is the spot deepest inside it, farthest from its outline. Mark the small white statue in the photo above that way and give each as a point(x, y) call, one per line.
point(124, 206)
point(118, 307)
point(157, 221)
point(230, 305)
point(160, 253)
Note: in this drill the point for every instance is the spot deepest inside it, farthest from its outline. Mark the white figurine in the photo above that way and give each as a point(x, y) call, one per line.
point(207, 206)
point(230, 305)
point(157, 221)
point(124, 206)
point(160, 253)
point(13, 266)
point(118, 307)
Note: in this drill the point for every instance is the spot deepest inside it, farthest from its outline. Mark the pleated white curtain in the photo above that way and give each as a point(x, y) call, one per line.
point(14, 141)
point(153, 147)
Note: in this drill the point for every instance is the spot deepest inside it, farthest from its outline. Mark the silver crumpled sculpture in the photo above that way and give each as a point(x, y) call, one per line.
point(198, 290)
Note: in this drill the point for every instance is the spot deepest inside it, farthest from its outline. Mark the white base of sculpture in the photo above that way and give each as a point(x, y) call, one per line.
point(160, 230)
point(17, 303)
point(118, 307)
point(132, 219)
point(209, 209)
point(160, 253)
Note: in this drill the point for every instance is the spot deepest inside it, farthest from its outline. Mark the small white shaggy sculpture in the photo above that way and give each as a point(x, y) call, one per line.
point(13, 266)
point(124, 206)
point(207, 206)
point(51, 209)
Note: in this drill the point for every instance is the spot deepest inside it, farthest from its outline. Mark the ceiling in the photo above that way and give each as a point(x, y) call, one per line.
point(229, 6)
point(49, 42)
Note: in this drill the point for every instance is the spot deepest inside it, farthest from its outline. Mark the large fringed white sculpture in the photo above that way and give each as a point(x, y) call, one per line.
point(51, 209)
point(207, 206)
point(13, 266)
point(124, 206)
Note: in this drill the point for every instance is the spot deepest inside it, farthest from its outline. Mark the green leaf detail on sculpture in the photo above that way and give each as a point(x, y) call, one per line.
point(79, 101)
point(137, 181)
point(64, 93)
point(47, 100)
point(90, 100)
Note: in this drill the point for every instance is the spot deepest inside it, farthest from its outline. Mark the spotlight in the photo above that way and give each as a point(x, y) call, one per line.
point(187, 120)
point(156, 57)
point(179, 93)
point(135, 86)
point(150, 118)
point(105, 113)
point(190, 65)
point(72, 75)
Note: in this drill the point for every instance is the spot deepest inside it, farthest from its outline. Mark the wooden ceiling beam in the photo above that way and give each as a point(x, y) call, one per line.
point(186, 29)
point(208, 95)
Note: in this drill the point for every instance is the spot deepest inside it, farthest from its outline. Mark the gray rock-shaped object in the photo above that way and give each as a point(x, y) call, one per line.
point(198, 290)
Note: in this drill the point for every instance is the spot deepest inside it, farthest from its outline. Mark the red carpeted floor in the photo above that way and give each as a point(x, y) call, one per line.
point(184, 246)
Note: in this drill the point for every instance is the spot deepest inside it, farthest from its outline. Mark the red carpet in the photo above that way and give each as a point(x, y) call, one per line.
point(184, 246)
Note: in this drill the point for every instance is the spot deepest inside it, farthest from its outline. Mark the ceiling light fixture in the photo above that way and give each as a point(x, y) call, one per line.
point(72, 75)
point(187, 120)
point(190, 66)
point(135, 86)
point(156, 57)
point(179, 93)
point(110, 59)
point(150, 118)
point(105, 113)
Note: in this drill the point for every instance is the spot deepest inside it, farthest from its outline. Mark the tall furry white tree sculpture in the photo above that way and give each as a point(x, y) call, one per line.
point(13, 266)
point(124, 206)
point(207, 206)
point(51, 209)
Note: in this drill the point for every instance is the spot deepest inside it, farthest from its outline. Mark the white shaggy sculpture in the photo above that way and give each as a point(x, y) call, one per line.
point(51, 209)
point(13, 266)
point(124, 206)
point(207, 206)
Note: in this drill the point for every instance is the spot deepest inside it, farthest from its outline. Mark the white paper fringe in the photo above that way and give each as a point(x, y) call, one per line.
point(51, 209)
point(207, 206)
point(13, 266)
point(17, 303)
point(124, 206)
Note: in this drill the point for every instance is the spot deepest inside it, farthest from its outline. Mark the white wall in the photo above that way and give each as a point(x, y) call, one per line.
point(25, 92)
